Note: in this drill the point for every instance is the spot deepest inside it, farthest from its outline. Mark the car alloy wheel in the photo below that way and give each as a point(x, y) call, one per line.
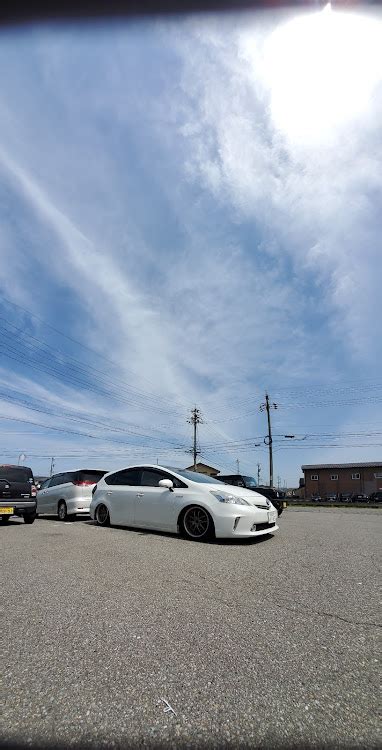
point(197, 523)
point(62, 511)
point(102, 516)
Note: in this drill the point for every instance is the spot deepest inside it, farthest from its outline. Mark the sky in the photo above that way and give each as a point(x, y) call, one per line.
point(191, 216)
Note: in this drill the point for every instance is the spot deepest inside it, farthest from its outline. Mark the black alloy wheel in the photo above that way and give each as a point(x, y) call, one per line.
point(197, 524)
point(102, 515)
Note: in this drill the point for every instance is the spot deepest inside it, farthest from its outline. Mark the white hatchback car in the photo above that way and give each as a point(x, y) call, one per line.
point(68, 493)
point(177, 500)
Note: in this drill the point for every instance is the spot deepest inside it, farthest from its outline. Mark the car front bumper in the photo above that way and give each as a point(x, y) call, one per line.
point(237, 521)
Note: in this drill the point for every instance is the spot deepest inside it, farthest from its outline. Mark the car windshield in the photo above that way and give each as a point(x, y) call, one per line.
point(194, 476)
point(15, 474)
point(250, 482)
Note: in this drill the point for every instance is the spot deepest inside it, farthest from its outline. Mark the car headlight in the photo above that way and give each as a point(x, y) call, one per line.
point(225, 497)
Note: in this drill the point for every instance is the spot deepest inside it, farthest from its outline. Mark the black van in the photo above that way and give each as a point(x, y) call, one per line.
point(276, 496)
point(18, 494)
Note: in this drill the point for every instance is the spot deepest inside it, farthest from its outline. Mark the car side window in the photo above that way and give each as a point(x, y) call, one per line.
point(56, 480)
point(126, 477)
point(45, 484)
point(152, 477)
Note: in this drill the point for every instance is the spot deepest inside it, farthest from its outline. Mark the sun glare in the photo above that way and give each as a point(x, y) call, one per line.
point(322, 69)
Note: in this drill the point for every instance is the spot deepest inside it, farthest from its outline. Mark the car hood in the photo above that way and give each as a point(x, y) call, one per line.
point(251, 496)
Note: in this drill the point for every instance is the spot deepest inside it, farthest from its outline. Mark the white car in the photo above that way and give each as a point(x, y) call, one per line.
point(67, 494)
point(180, 501)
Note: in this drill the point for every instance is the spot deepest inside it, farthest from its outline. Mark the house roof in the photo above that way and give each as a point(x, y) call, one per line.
point(200, 463)
point(353, 465)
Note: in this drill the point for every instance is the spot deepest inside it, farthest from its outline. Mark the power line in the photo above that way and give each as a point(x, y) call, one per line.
point(100, 388)
point(73, 340)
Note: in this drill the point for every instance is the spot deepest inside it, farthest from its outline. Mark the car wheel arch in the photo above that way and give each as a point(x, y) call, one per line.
point(193, 505)
point(104, 502)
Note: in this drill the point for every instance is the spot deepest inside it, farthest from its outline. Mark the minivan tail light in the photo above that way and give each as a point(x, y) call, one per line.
point(82, 484)
point(33, 491)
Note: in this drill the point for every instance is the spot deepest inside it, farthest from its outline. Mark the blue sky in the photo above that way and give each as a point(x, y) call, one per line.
point(183, 224)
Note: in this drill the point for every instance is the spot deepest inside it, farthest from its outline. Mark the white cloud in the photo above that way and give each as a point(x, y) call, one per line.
point(318, 203)
point(212, 275)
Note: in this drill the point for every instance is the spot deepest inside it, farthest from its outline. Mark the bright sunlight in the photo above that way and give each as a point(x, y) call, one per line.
point(322, 69)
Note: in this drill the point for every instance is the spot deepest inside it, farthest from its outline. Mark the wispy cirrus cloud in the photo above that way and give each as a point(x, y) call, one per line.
point(167, 223)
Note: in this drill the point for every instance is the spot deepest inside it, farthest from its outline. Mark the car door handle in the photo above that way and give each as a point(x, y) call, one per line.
point(109, 493)
point(140, 494)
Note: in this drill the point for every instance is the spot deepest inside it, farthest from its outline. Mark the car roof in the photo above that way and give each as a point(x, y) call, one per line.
point(74, 471)
point(176, 470)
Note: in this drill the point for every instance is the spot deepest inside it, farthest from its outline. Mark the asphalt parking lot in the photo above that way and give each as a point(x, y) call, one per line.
point(258, 644)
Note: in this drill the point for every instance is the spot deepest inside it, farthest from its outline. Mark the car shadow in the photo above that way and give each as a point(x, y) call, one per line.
point(181, 539)
point(76, 519)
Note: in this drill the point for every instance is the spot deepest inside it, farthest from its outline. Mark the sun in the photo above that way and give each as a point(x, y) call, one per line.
point(322, 70)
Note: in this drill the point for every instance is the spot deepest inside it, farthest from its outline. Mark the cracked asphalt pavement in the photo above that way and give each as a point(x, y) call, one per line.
point(267, 643)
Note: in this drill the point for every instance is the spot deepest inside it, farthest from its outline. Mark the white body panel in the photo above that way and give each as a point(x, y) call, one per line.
point(77, 497)
point(159, 508)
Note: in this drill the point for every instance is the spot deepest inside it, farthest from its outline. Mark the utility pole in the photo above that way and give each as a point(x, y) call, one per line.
point(278, 482)
point(238, 465)
point(52, 466)
point(267, 407)
point(258, 473)
point(195, 420)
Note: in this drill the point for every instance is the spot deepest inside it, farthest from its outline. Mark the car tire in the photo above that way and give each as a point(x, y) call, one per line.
point(102, 515)
point(196, 524)
point(29, 518)
point(62, 511)
point(5, 519)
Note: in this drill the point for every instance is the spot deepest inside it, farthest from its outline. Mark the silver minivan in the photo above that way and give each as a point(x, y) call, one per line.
point(67, 494)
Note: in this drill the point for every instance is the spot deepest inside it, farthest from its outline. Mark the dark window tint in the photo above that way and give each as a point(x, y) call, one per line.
point(128, 477)
point(60, 479)
point(153, 476)
point(90, 477)
point(16, 474)
point(250, 482)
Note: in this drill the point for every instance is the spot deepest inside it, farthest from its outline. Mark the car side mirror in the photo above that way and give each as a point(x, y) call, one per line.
point(166, 483)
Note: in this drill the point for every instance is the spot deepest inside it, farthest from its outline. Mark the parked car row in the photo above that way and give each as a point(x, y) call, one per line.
point(348, 497)
point(146, 496)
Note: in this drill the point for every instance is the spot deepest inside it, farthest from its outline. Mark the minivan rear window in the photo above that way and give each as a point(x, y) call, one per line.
point(90, 477)
point(16, 473)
